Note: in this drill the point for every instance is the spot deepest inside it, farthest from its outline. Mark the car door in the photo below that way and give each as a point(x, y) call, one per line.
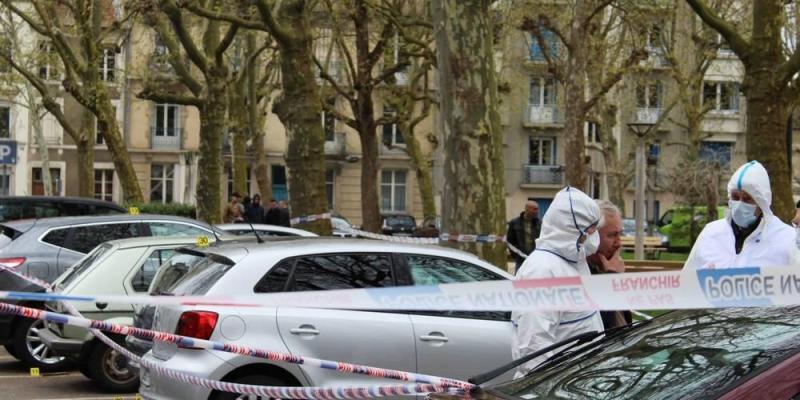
point(370, 338)
point(457, 344)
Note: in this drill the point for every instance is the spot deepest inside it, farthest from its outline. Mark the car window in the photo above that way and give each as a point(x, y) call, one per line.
point(393, 220)
point(84, 264)
point(172, 271)
point(147, 271)
point(85, 238)
point(342, 271)
point(427, 270)
point(175, 229)
point(200, 278)
point(46, 210)
point(56, 237)
point(276, 279)
point(682, 355)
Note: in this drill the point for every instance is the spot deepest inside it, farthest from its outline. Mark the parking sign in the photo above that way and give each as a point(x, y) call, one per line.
point(8, 152)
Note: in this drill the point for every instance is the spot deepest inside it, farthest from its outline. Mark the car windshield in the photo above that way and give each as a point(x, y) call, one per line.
point(394, 220)
point(629, 227)
point(84, 264)
point(681, 355)
point(200, 278)
point(340, 223)
point(172, 271)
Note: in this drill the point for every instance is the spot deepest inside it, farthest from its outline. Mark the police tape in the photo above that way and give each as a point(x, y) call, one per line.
point(309, 218)
point(717, 288)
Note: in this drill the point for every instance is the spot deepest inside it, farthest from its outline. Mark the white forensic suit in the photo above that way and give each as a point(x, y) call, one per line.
point(771, 244)
point(558, 254)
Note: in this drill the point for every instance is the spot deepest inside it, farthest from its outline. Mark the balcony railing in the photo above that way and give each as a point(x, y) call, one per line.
point(50, 138)
point(648, 115)
point(337, 146)
point(543, 174)
point(543, 115)
point(165, 138)
point(656, 58)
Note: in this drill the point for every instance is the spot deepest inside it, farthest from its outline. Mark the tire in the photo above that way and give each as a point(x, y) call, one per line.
point(261, 380)
point(30, 350)
point(10, 350)
point(110, 370)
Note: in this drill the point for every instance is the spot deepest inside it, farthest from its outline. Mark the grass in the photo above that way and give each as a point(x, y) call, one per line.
point(662, 256)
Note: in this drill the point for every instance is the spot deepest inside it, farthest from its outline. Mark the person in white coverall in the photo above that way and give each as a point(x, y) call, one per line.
point(569, 234)
point(749, 235)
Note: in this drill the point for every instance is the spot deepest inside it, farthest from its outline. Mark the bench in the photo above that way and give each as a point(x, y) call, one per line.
point(652, 245)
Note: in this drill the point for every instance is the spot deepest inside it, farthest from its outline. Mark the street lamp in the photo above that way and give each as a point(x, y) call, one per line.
point(641, 129)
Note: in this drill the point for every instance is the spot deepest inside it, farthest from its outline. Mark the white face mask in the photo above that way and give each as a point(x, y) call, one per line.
point(592, 243)
point(743, 214)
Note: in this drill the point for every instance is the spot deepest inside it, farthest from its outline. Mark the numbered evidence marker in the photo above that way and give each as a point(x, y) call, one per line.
point(133, 210)
point(202, 241)
point(35, 372)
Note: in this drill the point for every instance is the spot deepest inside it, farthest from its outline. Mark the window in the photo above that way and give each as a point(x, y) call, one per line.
point(160, 48)
point(393, 190)
point(47, 62)
point(276, 279)
point(175, 229)
point(391, 135)
point(592, 132)
point(146, 273)
point(721, 96)
point(5, 122)
point(330, 179)
point(5, 181)
point(100, 129)
point(85, 263)
point(173, 270)
point(108, 65)
point(654, 153)
point(280, 190)
point(103, 184)
point(86, 238)
point(56, 237)
point(37, 181)
point(342, 271)
point(549, 39)
point(649, 95)
point(717, 151)
point(329, 122)
point(542, 151)
point(543, 92)
point(162, 178)
point(654, 38)
point(229, 169)
point(166, 123)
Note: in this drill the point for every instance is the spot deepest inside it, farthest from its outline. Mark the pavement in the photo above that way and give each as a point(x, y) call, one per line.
point(17, 382)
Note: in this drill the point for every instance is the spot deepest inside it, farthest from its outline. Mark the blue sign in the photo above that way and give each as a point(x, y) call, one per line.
point(8, 152)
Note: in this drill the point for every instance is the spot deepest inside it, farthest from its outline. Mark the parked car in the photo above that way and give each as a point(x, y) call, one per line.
point(341, 226)
point(45, 248)
point(30, 207)
point(263, 230)
point(443, 343)
point(629, 230)
point(429, 228)
point(676, 223)
point(744, 353)
point(398, 224)
point(118, 267)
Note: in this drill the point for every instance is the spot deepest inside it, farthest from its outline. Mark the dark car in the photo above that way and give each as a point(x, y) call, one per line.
point(30, 207)
point(429, 228)
point(733, 353)
point(398, 224)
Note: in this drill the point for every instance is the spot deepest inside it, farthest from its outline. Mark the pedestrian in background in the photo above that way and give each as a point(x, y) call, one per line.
point(273, 214)
point(234, 210)
point(607, 259)
point(524, 230)
point(255, 212)
point(285, 215)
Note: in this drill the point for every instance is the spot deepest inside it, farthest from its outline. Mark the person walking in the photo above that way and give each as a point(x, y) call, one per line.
point(285, 216)
point(750, 234)
point(255, 212)
point(568, 236)
point(607, 259)
point(235, 210)
point(524, 230)
point(273, 214)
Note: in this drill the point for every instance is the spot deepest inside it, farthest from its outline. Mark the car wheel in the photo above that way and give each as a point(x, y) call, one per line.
point(260, 380)
point(10, 350)
point(29, 347)
point(110, 370)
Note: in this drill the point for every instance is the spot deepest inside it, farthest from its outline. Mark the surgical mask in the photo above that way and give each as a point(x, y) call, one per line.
point(743, 214)
point(592, 243)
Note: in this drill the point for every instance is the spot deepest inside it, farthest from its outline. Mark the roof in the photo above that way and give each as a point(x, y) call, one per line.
point(265, 227)
point(146, 241)
point(90, 219)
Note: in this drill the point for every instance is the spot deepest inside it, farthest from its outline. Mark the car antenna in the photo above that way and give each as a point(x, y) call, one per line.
point(258, 238)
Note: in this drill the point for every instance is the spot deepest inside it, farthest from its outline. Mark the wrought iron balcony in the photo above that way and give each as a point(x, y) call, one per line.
point(542, 174)
point(165, 138)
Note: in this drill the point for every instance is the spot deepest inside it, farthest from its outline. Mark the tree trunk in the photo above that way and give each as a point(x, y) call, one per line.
point(85, 148)
point(299, 107)
point(35, 113)
point(575, 100)
point(615, 176)
point(474, 189)
point(212, 121)
point(421, 165)
point(370, 210)
point(261, 168)
point(239, 161)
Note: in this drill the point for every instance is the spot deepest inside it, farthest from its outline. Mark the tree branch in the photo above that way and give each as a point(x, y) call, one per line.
point(612, 80)
point(154, 94)
point(277, 31)
point(196, 9)
point(225, 43)
point(327, 77)
point(176, 18)
point(737, 43)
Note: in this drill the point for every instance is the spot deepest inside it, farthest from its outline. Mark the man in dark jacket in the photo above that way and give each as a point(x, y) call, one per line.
point(607, 259)
point(273, 214)
point(524, 230)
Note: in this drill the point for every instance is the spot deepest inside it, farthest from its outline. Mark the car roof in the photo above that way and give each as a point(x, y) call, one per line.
point(93, 219)
point(146, 241)
point(266, 227)
point(62, 199)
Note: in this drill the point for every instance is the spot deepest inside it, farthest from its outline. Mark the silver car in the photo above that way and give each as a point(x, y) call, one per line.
point(263, 230)
point(443, 343)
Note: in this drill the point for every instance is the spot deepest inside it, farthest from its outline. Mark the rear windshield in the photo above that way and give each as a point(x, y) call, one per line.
point(172, 271)
point(200, 278)
point(394, 220)
point(7, 235)
point(84, 264)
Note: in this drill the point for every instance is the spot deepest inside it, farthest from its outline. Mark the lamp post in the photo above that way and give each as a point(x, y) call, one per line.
point(641, 129)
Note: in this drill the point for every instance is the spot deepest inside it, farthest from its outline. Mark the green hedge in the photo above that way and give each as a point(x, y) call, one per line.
point(176, 209)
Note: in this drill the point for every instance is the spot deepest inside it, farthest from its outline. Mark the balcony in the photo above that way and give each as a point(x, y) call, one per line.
point(543, 115)
point(51, 138)
point(336, 147)
point(655, 59)
point(543, 175)
point(648, 115)
point(165, 139)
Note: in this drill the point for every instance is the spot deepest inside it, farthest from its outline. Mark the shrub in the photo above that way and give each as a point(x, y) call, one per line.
point(176, 209)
